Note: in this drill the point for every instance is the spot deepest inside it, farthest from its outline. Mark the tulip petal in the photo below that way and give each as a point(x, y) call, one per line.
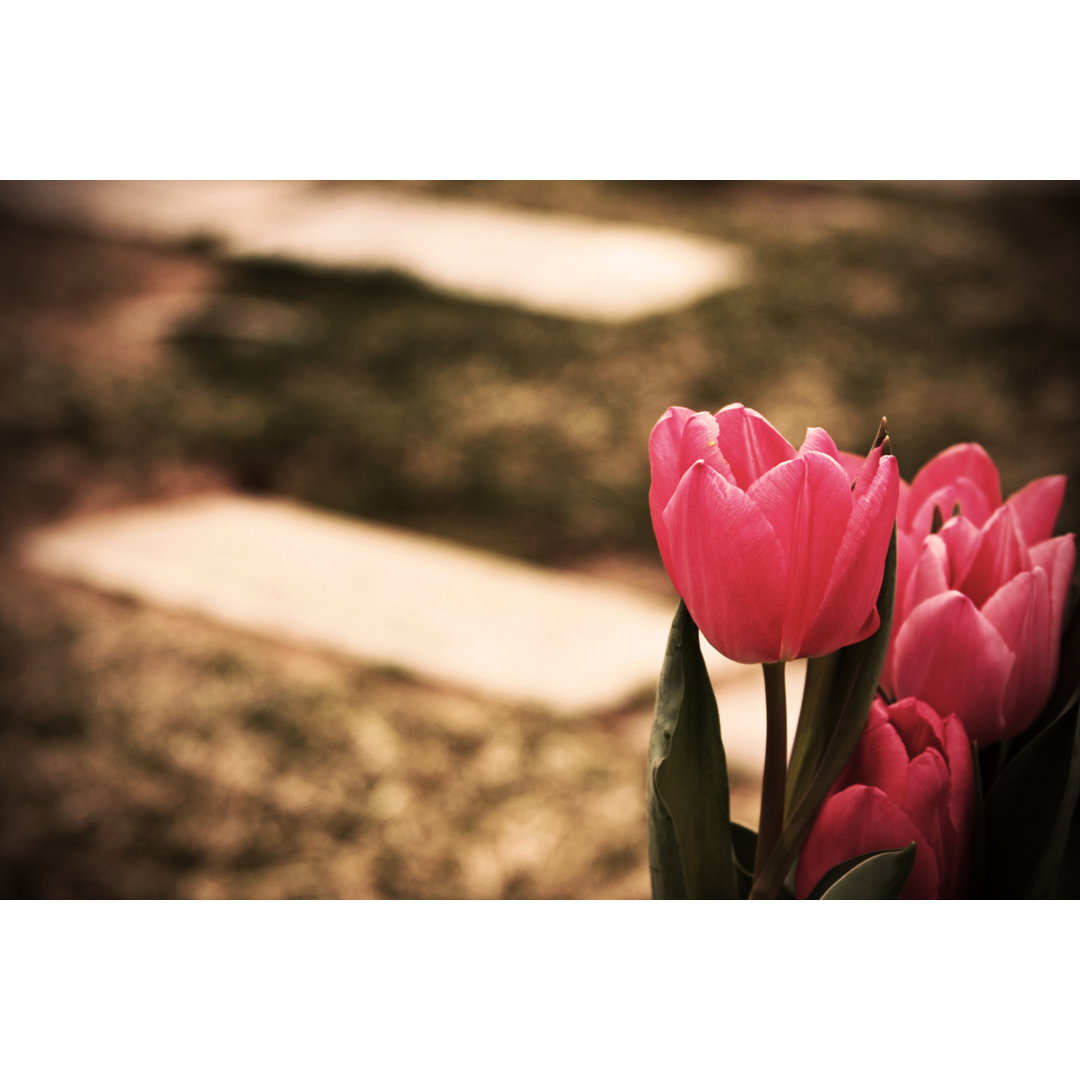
point(953, 658)
point(699, 443)
point(882, 761)
point(853, 465)
point(847, 612)
point(908, 548)
point(820, 441)
point(930, 576)
point(858, 820)
point(926, 800)
point(964, 493)
point(728, 566)
point(853, 771)
point(965, 461)
point(665, 464)
point(902, 503)
point(961, 802)
point(1000, 556)
point(665, 451)
point(678, 439)
point(1057, 557)
point(918, 726)
point(1021, 611)
point(1037, 506)
point(925, 790)
point(908, 552)
point(750, 443)
point(962, 537)
point(868, 471)
point(808, 503)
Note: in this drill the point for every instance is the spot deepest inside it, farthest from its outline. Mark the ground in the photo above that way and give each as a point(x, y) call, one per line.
point(150, 754)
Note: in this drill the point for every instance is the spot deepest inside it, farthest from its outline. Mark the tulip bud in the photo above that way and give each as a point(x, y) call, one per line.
point(910, 779)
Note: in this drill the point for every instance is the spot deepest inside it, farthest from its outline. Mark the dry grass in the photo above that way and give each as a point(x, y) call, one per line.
point(170, 757)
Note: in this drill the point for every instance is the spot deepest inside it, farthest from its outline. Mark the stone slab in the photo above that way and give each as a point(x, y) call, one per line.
point(556, 265)
point(487, 624)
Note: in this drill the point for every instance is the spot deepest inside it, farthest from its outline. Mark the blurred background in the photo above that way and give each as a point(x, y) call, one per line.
point(147, 751)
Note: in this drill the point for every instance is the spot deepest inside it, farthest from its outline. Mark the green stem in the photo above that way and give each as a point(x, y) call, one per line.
point(774, 777)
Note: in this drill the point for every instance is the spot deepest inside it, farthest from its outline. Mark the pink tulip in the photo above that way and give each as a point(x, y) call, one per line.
point(910, 778)
point(964, 475)
point(777, 552)
point(964, 479)
point(980, 604)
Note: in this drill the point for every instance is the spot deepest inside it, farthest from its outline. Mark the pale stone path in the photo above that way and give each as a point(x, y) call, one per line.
point(548, 263)
point(485, 623)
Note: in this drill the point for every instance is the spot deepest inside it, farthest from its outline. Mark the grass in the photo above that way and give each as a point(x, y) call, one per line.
point(153, 769)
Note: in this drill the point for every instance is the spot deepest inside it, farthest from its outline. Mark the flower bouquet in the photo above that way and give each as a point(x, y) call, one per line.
point(937, 752)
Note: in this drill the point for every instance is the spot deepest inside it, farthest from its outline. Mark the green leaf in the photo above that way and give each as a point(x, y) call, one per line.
point(839, 691)
point(1026, 809)
point(976, 885)
point(1049, 873)
point(690, 836)
point(1068, 883)
point(813, 732)
point(788, 890)
point(744, 842)
point(1067, 691)
point(881, 875)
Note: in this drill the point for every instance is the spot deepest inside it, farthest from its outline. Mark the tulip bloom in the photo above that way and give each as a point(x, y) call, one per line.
point(777, 553)
point(980, 604)
point(910, 778)
point(964, 479)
